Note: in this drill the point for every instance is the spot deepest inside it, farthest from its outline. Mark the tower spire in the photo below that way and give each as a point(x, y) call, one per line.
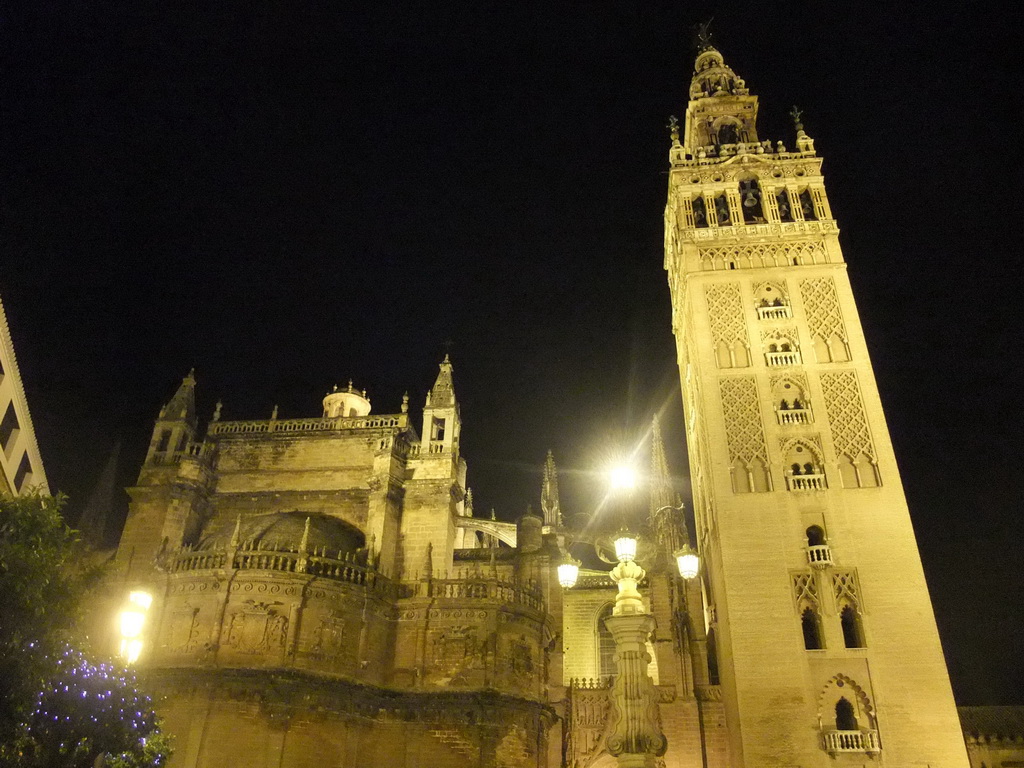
point(661, 480)
point(182, 407)
point(665, 513)
point(549, 502)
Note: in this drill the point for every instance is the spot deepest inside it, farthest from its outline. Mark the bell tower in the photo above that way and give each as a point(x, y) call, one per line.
point(827, 647)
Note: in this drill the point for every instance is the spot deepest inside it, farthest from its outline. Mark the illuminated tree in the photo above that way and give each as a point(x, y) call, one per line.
point(41, 588)
point(88, 715)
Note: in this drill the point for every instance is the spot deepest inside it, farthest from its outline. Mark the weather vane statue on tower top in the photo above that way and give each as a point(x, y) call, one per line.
point(703, 36)
point(796, 113)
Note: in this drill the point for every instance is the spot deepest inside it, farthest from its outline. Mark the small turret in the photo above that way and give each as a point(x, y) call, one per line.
point(348, 402)
point(722, 111)
point(549, 502)
point(176, 425)
point(441, 420)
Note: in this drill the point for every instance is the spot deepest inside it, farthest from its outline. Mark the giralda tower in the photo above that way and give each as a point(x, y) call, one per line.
point(817, 605)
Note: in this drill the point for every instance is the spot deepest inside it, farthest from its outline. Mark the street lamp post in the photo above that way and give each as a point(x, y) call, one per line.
point(635, 738)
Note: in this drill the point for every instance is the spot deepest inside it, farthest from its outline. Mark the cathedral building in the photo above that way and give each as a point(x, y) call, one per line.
point(319, 592)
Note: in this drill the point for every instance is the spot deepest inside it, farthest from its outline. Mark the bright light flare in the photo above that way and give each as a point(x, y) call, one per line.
point(623, 478)
point(131, 650)
point(132, 622)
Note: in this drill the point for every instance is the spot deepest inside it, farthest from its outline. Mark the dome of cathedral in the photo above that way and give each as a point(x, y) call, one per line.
point(284, 531)
point(346, 402)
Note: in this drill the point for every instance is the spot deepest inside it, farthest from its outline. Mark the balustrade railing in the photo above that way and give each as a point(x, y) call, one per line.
point(793, 415)
point(492, 590)
point(789, 357)
point(810, 482)
point(852, 741)
point(346, 567)
point(819, 555)
point(590, 683)
point(773, 312)
point(306, 425)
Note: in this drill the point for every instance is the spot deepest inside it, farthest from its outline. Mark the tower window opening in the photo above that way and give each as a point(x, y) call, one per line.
point(811, 626)
point(785, 210)
point(722, 211)
point(700, 213)
point(750, 197)
point(165, 441)
point(437, 429)
point(815, 536)
point(713, 677)
point(807, 206)
point(846, 720)
point(729, 133)
point(853, 634)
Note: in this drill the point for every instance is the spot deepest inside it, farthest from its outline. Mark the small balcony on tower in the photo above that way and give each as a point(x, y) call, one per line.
point(819, 556)
point(796, 412)
point(773, 310)
point(852, 741)
point(805, 477)
point(782, 353)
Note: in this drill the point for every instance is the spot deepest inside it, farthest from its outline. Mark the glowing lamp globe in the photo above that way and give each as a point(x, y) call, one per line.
point(625, 548)
point(688, 562)
point(132, 621)
point(568, 573)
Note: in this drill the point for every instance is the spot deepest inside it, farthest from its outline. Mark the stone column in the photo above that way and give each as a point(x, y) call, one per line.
point(635, 737)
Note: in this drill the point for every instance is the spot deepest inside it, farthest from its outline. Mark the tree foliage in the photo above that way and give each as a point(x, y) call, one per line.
point(86, 711)
point(56, 708)
point(41, 589)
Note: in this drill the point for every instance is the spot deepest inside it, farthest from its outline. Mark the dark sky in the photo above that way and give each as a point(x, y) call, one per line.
point(287, 197)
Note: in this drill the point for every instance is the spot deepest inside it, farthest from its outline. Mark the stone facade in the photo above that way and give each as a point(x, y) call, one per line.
point(995, 736)
point(827, 645)
point(21, 466)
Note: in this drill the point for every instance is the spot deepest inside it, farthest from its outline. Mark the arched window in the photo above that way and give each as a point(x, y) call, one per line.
point(712, 657)
point(846, 720)
point(729, 133)
point(815, 536)
point(605, 645)
point(700, 213)
point(807, 206)
point(785, 208)
point(722, 211)
point(853, 634)
point(750, 200)
point(812, 630)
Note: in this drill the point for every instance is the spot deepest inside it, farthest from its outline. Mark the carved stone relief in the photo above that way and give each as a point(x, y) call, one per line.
point(257, 628)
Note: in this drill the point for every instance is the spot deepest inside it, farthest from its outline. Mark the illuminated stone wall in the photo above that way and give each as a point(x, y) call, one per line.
point(786, 433)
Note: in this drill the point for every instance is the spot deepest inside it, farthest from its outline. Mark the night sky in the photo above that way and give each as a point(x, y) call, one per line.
point(287, 197)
